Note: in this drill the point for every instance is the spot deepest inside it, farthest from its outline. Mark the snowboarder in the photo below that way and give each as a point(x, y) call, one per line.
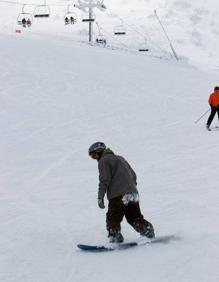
point(118, 180)
point(214, 104)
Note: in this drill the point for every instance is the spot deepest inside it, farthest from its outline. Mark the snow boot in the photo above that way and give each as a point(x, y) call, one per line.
point(148, 231)
point(208, 127)
point(115, 236)
point(144, 227)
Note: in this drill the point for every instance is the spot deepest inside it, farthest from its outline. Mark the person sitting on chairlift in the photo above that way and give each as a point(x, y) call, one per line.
point(28, 22)
point(24, 22)
point(73, 20)
point(66, 20)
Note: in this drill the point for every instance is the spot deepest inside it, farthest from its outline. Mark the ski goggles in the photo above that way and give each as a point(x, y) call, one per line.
point(93, 155)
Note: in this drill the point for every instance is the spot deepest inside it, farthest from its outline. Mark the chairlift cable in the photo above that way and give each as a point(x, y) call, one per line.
point(152, 42)
point(141, 34)
point(138, 32)
point(115, 39)
point(34, 4)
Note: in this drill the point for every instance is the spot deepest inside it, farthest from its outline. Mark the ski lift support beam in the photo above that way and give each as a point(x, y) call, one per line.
point(89, 5)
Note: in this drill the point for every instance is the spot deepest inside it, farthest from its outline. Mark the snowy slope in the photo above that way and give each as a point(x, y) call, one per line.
point(192, 26)
point(56, 98)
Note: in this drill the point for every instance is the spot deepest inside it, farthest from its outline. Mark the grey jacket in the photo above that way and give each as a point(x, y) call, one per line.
point(116, 177)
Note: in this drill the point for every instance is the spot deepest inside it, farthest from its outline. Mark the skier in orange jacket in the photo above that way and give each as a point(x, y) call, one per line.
point(214, 104)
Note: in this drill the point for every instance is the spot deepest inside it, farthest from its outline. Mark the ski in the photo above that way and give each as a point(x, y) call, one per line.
point(215, 128)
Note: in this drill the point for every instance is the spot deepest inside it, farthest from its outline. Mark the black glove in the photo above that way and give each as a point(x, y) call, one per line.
point(101, 203)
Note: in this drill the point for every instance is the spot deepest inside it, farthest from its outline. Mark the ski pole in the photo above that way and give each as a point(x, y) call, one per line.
point(202, 116)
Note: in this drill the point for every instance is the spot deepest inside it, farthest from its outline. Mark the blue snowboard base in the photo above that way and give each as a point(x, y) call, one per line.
point(123, 246)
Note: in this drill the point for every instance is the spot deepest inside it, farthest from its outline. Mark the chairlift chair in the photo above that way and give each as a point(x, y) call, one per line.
point(100, 39)
point(119, 30)
point(24, 18)
point(42, 11)
point(142, 47)
point(70, 17)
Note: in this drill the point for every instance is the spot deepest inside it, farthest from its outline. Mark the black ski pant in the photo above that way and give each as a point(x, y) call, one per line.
point(117, 210)
point(214, 110)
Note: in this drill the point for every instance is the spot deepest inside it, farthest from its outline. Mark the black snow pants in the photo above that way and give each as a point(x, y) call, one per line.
point(117, 210)
point(214, 110)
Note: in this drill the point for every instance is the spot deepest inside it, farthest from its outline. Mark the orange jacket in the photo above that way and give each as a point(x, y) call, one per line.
point(214, 98)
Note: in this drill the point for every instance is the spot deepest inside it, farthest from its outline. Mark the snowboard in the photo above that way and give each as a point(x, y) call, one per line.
point(123, 246)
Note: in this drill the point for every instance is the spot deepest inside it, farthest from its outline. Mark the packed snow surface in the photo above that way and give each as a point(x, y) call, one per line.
point(56, 98)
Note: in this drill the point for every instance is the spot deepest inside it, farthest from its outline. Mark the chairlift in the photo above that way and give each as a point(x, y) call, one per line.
point(142, 47)
point(120, 30)
point(24, 19)
point(42, 11)
point(100, 39)
point(70, 17)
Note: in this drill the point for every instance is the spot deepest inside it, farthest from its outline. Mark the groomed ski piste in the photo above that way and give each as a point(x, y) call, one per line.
point(56, 98)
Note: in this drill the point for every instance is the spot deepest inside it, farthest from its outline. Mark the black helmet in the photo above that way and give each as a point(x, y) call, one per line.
point(97, 147)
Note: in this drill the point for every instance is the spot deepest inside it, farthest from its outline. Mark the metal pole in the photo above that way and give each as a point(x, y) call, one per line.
point(171, 46)
point(88, 7)
point(202, 116)
point(90, 24)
